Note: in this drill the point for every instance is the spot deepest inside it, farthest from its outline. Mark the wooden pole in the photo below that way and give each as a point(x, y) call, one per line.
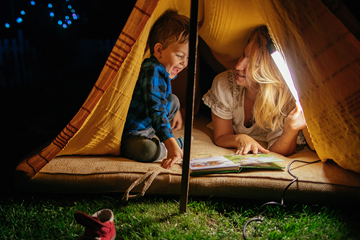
point(190, 96)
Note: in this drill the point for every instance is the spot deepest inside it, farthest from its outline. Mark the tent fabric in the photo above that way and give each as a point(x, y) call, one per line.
point(322, 54)
point(323, 57)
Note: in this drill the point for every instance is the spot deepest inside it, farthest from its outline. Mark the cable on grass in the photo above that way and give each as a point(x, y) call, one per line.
point(258, 218)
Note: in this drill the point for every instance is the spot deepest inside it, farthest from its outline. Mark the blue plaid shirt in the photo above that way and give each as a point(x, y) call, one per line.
point(150, 106)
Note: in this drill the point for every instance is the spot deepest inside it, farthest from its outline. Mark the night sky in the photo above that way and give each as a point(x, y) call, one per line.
point(33, 113)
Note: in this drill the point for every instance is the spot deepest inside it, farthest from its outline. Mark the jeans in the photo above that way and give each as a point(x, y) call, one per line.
point(141, 146)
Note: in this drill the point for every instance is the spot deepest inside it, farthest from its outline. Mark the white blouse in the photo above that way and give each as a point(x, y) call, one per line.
point(226, 100)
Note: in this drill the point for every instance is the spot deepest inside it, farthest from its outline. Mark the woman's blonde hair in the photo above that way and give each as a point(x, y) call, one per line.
point(274, 100)
point(169, 28)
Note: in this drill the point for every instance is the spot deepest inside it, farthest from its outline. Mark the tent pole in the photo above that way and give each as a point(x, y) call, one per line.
point(189, 111)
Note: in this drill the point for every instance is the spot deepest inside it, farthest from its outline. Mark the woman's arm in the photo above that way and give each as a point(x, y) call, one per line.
point(224, 137)
point(286, 143)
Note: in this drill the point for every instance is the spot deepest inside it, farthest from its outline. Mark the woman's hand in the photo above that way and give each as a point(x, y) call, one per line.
point(224, 137)
point(295, 121)
point(286, 143)
point(177, 122)
point(247, 144)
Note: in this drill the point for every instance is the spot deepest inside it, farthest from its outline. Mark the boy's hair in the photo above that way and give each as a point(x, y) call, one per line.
point(169, 28)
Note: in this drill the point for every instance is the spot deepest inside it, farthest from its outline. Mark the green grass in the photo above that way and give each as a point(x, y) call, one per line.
point(52, 217)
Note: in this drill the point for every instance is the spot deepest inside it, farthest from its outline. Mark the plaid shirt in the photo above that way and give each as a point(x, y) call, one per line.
point(150, 106)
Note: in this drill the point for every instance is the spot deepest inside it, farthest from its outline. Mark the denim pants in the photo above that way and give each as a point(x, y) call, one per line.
point(141, 146)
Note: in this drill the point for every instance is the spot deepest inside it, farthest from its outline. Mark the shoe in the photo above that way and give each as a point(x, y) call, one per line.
point(98, 226)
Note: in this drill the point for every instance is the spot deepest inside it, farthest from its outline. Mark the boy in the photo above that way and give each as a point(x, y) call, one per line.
point(153, 105)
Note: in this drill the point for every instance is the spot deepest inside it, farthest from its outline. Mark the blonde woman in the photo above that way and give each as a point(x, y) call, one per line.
point(252, 104)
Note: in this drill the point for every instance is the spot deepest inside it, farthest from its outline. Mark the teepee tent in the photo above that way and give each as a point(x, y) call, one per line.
point(320, 48)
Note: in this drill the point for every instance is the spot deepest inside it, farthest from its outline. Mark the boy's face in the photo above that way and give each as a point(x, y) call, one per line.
point(174, 58)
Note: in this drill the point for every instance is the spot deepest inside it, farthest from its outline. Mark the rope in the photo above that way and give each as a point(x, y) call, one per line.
point(151, 175)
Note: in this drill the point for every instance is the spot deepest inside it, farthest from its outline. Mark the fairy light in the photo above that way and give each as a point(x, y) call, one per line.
point(65, 15)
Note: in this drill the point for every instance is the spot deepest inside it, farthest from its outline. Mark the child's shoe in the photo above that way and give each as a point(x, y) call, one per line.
point(98, 226)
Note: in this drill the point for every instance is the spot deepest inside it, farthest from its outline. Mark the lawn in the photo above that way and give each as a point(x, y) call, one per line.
point(41, 216)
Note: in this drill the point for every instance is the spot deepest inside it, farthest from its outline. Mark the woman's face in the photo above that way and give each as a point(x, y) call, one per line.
point(243, 78)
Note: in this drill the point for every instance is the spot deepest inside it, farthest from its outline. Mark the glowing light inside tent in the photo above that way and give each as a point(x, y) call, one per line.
point(52, 14)
point(50, 5)
point(22, 12)
point(19, 20)
point(284, 70)
point(32, 3)
point(7, 25)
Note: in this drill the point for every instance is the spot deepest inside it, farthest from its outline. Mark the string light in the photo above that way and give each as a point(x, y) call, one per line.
point(54, 10)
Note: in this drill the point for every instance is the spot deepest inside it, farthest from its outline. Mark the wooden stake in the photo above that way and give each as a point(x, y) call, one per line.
point(189, 111)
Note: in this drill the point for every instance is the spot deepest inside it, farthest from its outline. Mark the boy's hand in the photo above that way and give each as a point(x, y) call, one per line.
point(174, 153)
point(177, 122)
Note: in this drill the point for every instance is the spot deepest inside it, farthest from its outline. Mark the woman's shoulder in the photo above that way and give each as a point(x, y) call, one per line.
point(225, 80)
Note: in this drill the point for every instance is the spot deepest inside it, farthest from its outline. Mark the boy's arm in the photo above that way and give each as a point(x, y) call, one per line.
point(174, 153)
point(177, 122)
point(154, 90)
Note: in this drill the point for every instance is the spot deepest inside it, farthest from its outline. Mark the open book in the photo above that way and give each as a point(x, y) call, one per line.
point(234, 163)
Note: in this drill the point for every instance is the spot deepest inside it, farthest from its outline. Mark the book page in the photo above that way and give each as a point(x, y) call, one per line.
point(212, 163)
